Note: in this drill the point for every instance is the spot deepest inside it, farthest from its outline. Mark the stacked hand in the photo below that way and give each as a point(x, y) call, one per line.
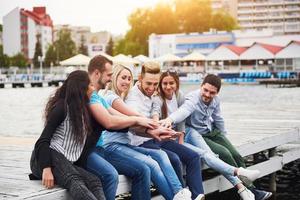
point(166, 122)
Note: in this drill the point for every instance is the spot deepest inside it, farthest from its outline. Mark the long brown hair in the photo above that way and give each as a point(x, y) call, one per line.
point(74, 94)
point(164, 108)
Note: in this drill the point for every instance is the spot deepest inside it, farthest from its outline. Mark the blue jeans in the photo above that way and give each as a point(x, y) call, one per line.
point(188, 157)
point(139, 168)
point(165, 165)
point(108, 175)
point(195, 141)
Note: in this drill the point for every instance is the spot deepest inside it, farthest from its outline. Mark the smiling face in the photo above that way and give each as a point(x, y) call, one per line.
point(124, 80)
point(149, 83)
point(208, 92)
point(168, 86)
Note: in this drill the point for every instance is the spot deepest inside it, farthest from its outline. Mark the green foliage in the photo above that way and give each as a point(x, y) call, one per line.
point(109, 48)
point(38, 51)
point(82, 48)
point(19, 60)
point(64, 46)
point(4, 59)
point(222, 21)
point(182, 16)
point(51, 56)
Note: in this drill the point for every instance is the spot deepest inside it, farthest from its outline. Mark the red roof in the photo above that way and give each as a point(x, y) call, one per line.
point(39, 15)
point(237, 50)
point(271, 48)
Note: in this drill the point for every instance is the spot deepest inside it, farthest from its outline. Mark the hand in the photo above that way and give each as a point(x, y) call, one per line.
point(47, 178)
point(166, 122)
point(146, 122)
point(180, 137)
point(161, 133)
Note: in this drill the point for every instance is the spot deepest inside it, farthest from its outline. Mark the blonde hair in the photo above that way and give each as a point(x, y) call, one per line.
point(150, 67)
point(118, 68)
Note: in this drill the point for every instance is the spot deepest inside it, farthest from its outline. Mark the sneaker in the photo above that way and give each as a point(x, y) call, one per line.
point(200, 197)
point(250, 174)
point(246, 194)
point(183, 194)
point(261, 194)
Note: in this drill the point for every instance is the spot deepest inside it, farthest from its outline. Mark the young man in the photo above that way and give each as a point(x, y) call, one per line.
point(141, 99)
point(205, 126)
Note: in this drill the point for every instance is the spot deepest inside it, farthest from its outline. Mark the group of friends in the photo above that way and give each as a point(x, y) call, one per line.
point(99, 124)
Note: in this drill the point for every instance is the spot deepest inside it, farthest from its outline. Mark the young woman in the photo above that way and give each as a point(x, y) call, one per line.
point(120, 153)
point(171, 100)
point(61, 143)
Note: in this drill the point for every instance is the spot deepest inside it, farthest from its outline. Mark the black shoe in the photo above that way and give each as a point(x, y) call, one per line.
point(261, 194)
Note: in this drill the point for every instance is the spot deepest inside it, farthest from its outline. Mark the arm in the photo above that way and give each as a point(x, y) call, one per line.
point(119, 105)
point(218, 119)
point(42, 146)
point(156, 108)
point(116, 122)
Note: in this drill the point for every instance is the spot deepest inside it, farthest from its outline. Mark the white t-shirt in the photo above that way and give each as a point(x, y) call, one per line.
point(172, 104)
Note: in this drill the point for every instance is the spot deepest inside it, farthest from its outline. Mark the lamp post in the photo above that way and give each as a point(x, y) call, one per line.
point(40, 58)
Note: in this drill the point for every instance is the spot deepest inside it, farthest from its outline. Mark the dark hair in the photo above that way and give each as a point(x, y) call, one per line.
point(212, 80)
point(74, 93)
point(164, 108)
point(98, 62)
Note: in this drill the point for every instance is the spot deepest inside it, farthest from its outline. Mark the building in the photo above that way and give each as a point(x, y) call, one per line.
point(79, 34)
point(183, 44)
point(21, 28)
point(95, 42)
point(282, 16)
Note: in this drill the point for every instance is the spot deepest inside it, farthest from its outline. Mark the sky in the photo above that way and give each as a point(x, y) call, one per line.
point(99, 15)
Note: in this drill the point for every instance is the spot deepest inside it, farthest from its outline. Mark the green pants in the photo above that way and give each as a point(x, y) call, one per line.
point(220, 145)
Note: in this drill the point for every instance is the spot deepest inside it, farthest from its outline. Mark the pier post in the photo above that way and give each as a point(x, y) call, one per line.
point(272, 186)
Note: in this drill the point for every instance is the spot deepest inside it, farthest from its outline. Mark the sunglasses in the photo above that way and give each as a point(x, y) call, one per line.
point(170, 71)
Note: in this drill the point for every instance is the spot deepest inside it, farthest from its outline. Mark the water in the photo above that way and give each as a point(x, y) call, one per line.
point(21, 112)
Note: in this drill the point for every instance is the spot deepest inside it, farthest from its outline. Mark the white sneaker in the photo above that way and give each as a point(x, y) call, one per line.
point(250, 174)
point(183, 194)
point(246, 194)
point(200, 197)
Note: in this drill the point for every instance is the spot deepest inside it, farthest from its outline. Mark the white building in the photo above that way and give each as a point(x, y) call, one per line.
point(282, 16)
point(20, 30)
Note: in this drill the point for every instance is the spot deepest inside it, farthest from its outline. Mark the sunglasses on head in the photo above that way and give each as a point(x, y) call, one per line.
point(170, 70)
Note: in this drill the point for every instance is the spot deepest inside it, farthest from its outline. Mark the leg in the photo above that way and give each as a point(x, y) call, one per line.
point(193, 168)
point(218, 165)
point(108, 175)
point(174, 159)
point(130, 166)
point(67, 176)
point(222, 140)
point(164, 164)
point(92, 182)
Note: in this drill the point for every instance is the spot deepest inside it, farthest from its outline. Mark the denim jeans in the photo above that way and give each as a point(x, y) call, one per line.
point(195, 141)
point(188, 157)
point(108, 175)
point(81, 184)
point(165, 165)
point(140, 168)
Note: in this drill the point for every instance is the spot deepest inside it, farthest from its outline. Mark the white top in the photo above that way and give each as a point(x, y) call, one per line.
point(172, 104)
point(144, 105)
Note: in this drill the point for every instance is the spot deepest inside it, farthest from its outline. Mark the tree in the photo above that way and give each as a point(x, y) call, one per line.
point(51, 56)
point(82, 48)
point(110, 45)
point(19, 60)
point(223, 21)
point(38, 51)
point(4, 59)
point(64, 46)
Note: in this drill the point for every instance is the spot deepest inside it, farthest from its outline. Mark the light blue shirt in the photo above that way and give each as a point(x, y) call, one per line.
point(203, 118)
point(95, 98)
point(108, 137)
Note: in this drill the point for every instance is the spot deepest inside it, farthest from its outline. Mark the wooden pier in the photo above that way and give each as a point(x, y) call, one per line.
point(251, 128)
